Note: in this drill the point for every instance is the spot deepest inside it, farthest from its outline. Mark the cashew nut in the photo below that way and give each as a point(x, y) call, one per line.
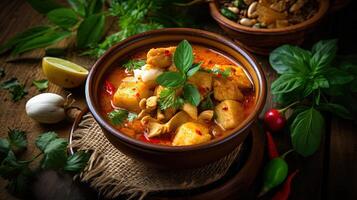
point(247, 22)
point(233, 9)
point(252, 10)
point(297, 6)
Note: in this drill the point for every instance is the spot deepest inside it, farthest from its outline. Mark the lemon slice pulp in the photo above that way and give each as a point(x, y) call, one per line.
point(63, 72)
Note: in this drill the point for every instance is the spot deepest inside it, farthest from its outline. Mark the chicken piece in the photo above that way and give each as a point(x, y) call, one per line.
point(190, 110)
point(203, 81)
point(147, 74)
point(191, 133)
point(237, 74)
point(160, 57)
point(225, 89)
point(129, 94)
point(229, 114)
point(206, 116)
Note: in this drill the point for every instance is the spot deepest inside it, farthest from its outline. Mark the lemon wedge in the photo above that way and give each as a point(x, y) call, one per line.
point(63, 72)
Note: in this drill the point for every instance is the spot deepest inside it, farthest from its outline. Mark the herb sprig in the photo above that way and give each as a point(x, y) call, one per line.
point(313, 82)
point(16, 89)
point(174, 81)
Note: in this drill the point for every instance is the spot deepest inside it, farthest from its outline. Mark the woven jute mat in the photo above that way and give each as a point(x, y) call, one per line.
point(112, 173)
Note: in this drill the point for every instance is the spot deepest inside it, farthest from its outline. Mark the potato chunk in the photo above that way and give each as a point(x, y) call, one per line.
point(225, 89)
point(203, 81)
point(229, 114)
point(191, 133)
point(129, 94)
point(160, 57)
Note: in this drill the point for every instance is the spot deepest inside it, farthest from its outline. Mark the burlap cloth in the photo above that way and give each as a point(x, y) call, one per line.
point(112, 173)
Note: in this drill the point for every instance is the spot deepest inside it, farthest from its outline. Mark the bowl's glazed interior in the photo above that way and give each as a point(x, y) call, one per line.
point(174, 36)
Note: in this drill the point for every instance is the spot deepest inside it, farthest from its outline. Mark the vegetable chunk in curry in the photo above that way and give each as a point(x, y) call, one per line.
point(177, 95)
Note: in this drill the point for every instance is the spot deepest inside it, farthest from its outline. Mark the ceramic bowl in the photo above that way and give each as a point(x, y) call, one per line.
point(263, 41)
point(168, 156)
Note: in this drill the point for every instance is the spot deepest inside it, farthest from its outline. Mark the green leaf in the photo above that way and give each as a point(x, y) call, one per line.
point(191, 94)
point(287, 83)
point(4, 146)
point(10, 166)
point(320, 82)
point(169, 99)
point(229, 14)
point(194, 68)
point(2, 72)
point(323, 52)
point(183, 57)
point(44, 139)
point(90, 30)
point(207, 103)
point(118, 116)
point(40, 84)
point(336, 109)
point(63, 17)
point(134, 64)
point(76, 162)
point(15, 88)
point(55, 154)
point(24, 37)
point(337, 77)
point(132, 116)
point(290, 59)
point(306, 131)
point(171, 79)
point(17, 139)
point(94, 6)
point(78, 6)
point(43, 6)
point(40, 41)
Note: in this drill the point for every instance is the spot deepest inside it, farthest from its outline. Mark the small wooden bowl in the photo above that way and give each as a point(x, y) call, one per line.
point(263, 41)
point(161, 156)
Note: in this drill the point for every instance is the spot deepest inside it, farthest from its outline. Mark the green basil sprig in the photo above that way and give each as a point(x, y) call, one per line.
point(313, 81)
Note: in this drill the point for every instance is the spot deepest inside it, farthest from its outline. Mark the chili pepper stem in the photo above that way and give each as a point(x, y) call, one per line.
point(263, 192)
point(283, 110)
point(287, 153)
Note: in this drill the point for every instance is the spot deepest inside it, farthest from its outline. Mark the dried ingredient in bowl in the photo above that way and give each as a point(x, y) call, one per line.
point(268, 13)
point(176, 95)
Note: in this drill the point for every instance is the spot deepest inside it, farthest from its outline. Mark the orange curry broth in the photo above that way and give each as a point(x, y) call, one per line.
point(135, 129)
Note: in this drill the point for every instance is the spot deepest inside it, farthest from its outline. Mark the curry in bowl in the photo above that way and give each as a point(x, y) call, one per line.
point(176, 95)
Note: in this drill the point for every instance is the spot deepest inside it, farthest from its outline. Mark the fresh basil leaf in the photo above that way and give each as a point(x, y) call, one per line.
point(320, 82)
point(55, 154)
point(43, 6)
point(194, 68)
point(2, 72)
point(4, 146)
point(76, 162)
point(290, 59)
point(337, 77)
point(287, 83)
point(191, 94)
point(134, 64)
point(306, 131)
point(24, 37)
point(323, 52)
point(336, 109)
point(171, 79)
point(94, 6)
point(44, 139)
point(78, 6)
point(207, 103)
point(40, 84)
point(40, 41)
point(169, 99)
point(90, 30)
point(118, 116)
point(63, 17)
point(183, 57)
point(15, 88)
point(17, 139)
point(132, 116)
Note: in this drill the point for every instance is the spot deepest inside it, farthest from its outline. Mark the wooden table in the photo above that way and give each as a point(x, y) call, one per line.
point(329, 174)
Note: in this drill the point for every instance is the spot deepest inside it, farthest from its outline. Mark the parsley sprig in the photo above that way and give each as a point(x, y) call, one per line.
point(174, 81)
point(313, 82)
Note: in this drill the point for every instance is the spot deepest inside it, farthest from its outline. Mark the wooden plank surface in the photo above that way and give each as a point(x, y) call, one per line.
point(329, 174)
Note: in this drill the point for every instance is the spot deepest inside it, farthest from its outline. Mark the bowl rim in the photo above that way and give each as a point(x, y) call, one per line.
point(323, 9)
point(90, 97)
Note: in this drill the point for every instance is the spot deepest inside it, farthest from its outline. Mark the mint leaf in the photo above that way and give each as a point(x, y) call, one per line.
point(90, 30)
point(183, 57)
point(43, 6)
point(44, 139)
point(118, 116)
point(323, 52)
point(55, 154)
point(290, 59)
point(191, 94)
point(40, 84)
point(76, 162)
point(63, 17)
point(306, 131)
point(171, 79)
point(17, 139)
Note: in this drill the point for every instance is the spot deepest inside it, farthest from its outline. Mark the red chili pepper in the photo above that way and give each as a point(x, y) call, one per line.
point(109, 87)
point(284, 193)
point(272, 150)
point(167, 53)
point(148, 140)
